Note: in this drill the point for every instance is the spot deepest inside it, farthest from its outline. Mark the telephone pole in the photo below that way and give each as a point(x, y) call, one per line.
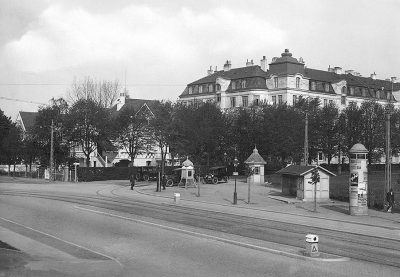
point(51, 152)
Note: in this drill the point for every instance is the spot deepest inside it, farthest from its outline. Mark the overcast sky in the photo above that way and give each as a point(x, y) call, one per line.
point(164, 45)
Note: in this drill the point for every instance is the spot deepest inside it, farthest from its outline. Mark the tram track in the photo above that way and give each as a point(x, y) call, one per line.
point(362, 247)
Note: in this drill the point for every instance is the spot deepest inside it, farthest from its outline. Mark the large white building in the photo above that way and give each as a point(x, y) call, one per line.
point(285, 81)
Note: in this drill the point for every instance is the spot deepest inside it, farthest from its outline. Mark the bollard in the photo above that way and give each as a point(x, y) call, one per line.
point(177, 196)
point(312, 245)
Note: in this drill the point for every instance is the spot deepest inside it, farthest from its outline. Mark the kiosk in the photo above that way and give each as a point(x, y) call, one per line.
point(358, 181)
point(187, 174)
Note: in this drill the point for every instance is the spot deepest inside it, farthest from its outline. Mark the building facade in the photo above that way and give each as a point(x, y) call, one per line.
point(286, 80)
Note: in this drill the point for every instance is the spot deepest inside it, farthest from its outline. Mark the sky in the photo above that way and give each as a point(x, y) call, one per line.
point(157, 47)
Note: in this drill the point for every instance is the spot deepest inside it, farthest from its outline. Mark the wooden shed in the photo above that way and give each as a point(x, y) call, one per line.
point(296, 182)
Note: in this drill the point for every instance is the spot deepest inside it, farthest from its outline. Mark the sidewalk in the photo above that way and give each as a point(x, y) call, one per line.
point(267, 202)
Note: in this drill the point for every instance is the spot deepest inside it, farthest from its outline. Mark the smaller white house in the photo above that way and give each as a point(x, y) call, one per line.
point(296, 181)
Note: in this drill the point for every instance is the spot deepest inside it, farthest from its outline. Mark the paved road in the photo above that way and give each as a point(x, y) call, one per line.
point(199, 242)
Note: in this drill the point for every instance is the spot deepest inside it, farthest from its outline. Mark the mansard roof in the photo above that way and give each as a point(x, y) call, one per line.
point(234, 73)
point(321, 75)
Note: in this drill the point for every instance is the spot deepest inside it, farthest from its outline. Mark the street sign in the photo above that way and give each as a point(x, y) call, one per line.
point(235, 173)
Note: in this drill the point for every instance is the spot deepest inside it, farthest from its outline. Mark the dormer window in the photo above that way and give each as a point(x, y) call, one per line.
point(275, 82)
point(313, 85)
point(326, 87)
point(243, 83)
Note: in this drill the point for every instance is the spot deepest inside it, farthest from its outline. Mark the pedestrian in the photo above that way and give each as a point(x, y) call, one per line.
point(164, 181)
point(132, 179)
point(390, 199)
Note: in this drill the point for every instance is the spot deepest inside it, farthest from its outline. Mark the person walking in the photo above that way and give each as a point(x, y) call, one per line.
point(390, 199)
point(164, 181)
point(132, 179)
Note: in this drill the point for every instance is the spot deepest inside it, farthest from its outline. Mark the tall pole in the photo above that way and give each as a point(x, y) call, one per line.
point(51, 151)
point(306, 141)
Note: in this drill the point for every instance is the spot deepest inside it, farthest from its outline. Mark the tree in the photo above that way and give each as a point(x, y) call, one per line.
point(161, 128)
point(373, 128)
point(50, 116)
point(351, 126)
point(87, 125)
point(328, 130)
point(10, 141)
point(103, 93)
point(132, 132)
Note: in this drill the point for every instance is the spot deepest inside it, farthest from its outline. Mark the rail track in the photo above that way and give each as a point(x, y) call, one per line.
point(367, 248)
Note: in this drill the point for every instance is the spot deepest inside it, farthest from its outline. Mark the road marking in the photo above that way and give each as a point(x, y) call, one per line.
point(247, 245)
point(65, 241)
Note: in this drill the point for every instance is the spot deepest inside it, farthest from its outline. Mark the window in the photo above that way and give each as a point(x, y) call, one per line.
point(257, 170)
point(233, 102)
point(218, 87)
point(218, 97)
point(326, 87)
point(243, 83)
point(330, 102)
point(280, 102)
point(325, 102)
point(320, 156)
point(364, 92)
point(378, 94)
point(274, 100)
point(200, 89)
point(196, 89)
point(245, 101)
point(275, 82)
point(233, 85)
point(297, 82)
point(256, 100)
point(210, 88)
point(344, 90)
point(351, 91)
point(313, 85)
point(190, 90)
point(294, 99)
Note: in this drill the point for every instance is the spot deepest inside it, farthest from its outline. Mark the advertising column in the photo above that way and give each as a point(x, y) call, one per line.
point(358, 183)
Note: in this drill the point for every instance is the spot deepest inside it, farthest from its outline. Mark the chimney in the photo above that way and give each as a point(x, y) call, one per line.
point(301, 60)
point(337, 70)
point(330, 69)
point(373, 76)
point(227, 66)
point(210, 71)
point(264, 64)
point(249, 63)
point(216, 69)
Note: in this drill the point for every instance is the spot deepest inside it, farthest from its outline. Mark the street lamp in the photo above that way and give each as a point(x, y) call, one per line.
point(235, 164)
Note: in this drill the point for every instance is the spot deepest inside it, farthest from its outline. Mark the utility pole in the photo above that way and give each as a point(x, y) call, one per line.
point(388, 165)
point(306, 140)
point(51, 152)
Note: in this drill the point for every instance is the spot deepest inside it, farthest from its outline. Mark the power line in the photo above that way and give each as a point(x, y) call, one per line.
point(59, 84)
point(20, 100)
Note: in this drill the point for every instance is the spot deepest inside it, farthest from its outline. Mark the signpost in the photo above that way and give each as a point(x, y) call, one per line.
point(235, 163)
